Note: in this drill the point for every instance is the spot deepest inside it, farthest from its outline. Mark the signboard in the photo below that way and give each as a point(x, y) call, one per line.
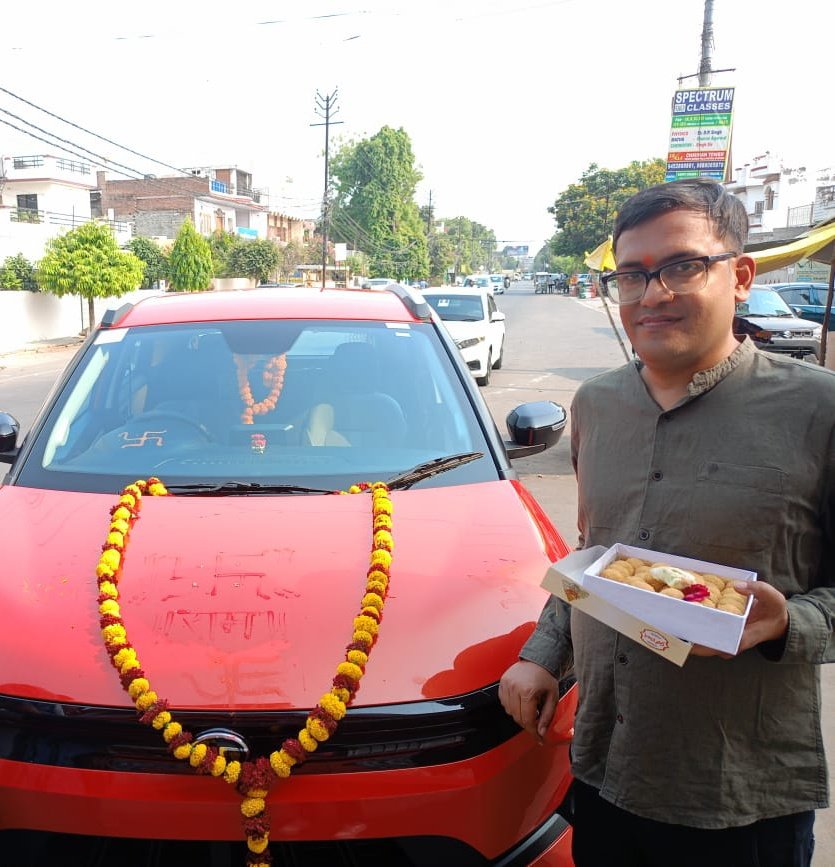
point(246, 232)
point(700, 136)
point(340, 252)
point(516, 251)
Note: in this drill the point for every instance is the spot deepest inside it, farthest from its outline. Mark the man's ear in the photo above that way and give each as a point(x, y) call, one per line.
point(745, 270)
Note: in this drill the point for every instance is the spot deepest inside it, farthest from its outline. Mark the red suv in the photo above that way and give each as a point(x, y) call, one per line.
point(205, 643)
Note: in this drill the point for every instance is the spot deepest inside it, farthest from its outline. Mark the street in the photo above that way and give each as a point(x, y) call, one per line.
point(553, 344)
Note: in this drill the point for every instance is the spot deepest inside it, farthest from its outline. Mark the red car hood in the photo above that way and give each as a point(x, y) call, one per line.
point(248, 602)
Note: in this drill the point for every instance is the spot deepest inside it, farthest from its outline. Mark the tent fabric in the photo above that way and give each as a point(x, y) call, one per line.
point(602, 258)
point(815, 244)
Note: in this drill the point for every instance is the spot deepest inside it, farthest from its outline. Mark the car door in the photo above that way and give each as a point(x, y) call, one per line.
point(495, 328)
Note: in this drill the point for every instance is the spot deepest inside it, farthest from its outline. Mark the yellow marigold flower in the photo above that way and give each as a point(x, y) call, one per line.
point(375, 587)
point(116, 539)
point(114, 633)
point(332, 706)
point(382, 522)
point(121, 514)
point(381, 558)
point(161, 720)
point(256, 793)
point(378, 575)
point(357, 657)
point(363, 637)
point(257, 844)
point(111, 559)
point(145, 700)
point(119, 525)
point(157, 489)
point(198, 753)
point(134, 490)
point(317, 729)
point(372, 600)
point(131, 663)
point(232, 772)
point(127, 500)
point(279, 766)
point(342, 694)
point(286, 757)
point(108, 588)
point(349, 670)
point(252, 807)
point(382, 506)
point(171, 731)
point(125, 654)
point(138, 687)
point(354, 489)
point(308, 743)
point(218, 766)
point(183, 751)
point(383, 539)
point(368, 624)
point(109, 606)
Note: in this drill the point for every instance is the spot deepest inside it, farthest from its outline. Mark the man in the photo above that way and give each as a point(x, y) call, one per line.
point(703, 447)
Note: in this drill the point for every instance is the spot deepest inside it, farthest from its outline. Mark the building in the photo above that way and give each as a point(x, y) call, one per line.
point(43, 196)
point(215, 199)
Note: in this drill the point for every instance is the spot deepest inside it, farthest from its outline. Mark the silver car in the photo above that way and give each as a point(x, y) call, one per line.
point(774, 327)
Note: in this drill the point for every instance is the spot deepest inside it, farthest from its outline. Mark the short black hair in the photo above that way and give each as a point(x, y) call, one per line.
point(725, 211)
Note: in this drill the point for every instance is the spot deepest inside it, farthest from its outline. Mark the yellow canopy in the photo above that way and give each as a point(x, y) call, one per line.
point(602, 258)
point(809, 246)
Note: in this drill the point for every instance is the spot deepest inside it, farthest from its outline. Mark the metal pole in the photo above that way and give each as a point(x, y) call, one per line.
point(826, 312)
point(707, 46)
point(327, 105)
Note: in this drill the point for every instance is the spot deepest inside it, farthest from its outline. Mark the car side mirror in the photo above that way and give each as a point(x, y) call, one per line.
point(9, 430)
point(497, 316)
point(534, 427)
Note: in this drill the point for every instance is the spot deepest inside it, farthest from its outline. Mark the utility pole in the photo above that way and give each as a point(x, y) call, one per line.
point(326, 108)
point(429, 215)
point(705, 69)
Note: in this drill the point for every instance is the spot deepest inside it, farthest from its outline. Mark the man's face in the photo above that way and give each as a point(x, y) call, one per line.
point(682, 333)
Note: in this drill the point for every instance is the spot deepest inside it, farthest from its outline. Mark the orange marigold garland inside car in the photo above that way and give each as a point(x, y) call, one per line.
point(252, 779)
point(273, 378)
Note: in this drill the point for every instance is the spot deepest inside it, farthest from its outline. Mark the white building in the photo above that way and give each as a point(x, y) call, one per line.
point(42, 196)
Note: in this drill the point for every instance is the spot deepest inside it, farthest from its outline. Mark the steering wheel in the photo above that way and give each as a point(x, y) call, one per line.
point(163, 416)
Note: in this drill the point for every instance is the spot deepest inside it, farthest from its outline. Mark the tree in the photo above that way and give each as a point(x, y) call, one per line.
point(221, 245)
point(472, 242)
point(585, 212)
point(156, 262)
point(87, 261)
point(190, 261)
point(291, 255)
point(374, 209)
point(17, 272)
point(257, 259)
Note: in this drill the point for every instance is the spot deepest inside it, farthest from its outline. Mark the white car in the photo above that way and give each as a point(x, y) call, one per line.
point(377, 282)
point(498, 283)
point(475, 324)
point(479, 281)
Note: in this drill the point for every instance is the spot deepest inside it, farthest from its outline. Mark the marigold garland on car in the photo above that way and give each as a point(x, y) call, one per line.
point(273, 378)
point(253, 779)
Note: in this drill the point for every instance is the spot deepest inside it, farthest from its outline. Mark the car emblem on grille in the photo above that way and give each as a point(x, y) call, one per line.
point(228, 743)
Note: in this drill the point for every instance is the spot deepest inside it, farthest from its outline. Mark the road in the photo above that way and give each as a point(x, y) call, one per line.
point(553, 344)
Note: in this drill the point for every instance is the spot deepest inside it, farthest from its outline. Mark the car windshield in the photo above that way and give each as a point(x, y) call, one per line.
point(764, 302)
point(309, 403)
point(457, 308)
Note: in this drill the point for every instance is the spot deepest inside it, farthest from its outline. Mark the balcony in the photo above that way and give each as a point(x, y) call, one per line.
point(52, 218)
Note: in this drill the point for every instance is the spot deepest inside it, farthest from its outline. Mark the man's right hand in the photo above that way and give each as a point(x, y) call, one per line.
point(529, 693)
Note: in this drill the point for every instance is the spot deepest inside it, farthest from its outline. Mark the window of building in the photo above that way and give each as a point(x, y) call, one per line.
point(27, 202)
point(758, 207)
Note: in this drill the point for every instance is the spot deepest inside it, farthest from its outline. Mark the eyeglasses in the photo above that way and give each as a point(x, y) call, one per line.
point(680, 278)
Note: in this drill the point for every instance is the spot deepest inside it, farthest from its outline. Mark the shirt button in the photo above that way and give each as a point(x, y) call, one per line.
point(619, 717)
point(657, 476)
point(622, 659)
point(643, 535)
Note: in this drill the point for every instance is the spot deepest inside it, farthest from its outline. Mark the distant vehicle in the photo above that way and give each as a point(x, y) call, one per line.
point(377, 282)
point(527, 275)
point(479, 281)
point(277, 285)
point(499, 284)
point(475, 324)
point(775, 326)
point(808, 300)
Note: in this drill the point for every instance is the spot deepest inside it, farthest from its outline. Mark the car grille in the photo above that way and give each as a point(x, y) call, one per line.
point(385, 737)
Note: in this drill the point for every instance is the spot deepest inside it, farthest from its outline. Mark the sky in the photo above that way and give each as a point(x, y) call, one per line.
point(506, 102)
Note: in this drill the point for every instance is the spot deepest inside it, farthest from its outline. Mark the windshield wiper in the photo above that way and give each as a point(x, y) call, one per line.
point(432, 468)
point(228, 488)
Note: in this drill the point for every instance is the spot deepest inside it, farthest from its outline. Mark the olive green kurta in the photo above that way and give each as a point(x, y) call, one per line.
point(740, 472)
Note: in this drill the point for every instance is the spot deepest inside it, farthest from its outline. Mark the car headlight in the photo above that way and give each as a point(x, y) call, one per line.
point(468, 342)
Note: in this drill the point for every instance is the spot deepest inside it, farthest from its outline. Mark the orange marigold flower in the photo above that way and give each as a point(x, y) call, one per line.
point(257, 844)
point(252, 806)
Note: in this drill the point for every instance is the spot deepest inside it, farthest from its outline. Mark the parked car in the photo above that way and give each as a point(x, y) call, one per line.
point(477, 326)
point(239, 591)
point(774, 326)
point(377, 282)
point(498, 281)
point(808, 300)
point(479, 281)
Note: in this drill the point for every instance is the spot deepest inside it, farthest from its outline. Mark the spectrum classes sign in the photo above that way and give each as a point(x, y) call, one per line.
point(700, 133)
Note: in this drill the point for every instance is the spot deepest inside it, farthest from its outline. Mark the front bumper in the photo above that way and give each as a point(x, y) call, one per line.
point(466, 802)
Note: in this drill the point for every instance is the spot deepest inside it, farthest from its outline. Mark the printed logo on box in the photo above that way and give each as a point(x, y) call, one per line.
point(573, 591)
point(655, 640)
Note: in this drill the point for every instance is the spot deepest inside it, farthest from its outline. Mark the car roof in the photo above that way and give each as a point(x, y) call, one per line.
point(296, 303)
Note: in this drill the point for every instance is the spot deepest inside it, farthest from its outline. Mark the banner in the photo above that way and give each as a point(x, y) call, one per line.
point(516, 251)
point(700, 136)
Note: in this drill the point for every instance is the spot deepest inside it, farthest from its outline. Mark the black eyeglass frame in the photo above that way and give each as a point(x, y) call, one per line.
point(649, 276)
